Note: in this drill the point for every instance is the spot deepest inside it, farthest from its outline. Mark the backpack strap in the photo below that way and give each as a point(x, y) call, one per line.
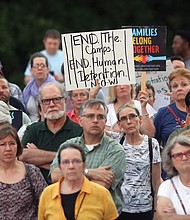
point(151, 159)
point(122, 139)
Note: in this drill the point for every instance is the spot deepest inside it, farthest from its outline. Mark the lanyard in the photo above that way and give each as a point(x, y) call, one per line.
point(178, 196)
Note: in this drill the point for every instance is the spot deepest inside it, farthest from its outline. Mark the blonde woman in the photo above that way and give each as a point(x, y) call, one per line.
point(124, 94)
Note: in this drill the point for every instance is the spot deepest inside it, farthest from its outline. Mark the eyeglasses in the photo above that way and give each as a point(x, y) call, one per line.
point(55, 100)
point(74, 162)
point(91, 117)
point(179, 156)
point(130, 117)
point(41, 65)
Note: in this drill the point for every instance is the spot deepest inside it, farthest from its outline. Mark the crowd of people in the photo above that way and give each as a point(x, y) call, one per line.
point(82, 155)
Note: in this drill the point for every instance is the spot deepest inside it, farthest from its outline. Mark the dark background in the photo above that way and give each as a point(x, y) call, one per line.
point(23, 23)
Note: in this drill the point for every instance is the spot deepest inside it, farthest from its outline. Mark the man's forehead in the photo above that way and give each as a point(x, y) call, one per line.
point(50, 90)
point(94, 108)
point(4, 82)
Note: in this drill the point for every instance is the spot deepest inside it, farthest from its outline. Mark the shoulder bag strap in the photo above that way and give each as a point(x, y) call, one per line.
point(151, 159)
point(174, 114)
point(122, 140)
point(31, 186)
point(178, 196)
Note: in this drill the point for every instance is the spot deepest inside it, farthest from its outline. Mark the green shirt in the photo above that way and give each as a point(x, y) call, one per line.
point(39, 134)
point(177, 132)
point(108, 152)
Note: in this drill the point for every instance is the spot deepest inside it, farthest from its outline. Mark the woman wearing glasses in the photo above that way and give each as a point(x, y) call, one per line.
point(174, 193)
point(74, 197)
point(143, 176)
point(40, 73)
point(125, 94)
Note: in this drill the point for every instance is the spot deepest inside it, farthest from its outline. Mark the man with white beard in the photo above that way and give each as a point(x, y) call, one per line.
point(42, 139)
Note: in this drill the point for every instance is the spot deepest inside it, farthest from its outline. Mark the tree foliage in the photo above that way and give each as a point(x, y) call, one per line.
point(23, 23)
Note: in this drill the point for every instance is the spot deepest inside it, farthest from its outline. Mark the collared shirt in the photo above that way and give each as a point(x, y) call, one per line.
point(93, 200)
point(39, 134)
point(73, 116)
point(108, 152)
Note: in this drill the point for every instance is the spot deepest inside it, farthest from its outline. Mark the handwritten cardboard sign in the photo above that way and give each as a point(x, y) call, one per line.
point(103, 55)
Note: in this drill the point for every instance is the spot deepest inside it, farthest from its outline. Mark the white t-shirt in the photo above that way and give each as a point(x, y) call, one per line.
point(55, 61)
point(112, 118)
point(166, 189)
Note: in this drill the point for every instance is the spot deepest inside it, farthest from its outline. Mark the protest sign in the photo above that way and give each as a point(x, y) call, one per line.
point(103, 55)
point(159, 80)
point(149, 45)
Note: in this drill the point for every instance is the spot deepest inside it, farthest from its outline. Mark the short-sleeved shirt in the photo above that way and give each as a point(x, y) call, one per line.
point(112, 118)
point(165, 122)
point(73, 116)
point(108, 152)
point(16, 199)
point(55, 61)
point(136, 188)
point(177, 132)
point(93, 202)
point(39, 134)
point(166, 189)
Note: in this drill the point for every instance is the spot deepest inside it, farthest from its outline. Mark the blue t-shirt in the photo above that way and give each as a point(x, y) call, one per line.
point(165, 122)
point(55, 61)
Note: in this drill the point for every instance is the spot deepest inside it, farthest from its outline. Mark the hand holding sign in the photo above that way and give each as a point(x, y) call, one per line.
point(94, 91)
point(143, 98)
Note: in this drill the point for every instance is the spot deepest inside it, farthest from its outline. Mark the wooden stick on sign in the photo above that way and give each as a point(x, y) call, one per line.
point(143, 82)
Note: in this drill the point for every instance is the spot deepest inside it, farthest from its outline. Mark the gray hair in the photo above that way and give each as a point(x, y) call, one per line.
point(127, 106)
point(91, 103)
point(70, 93)
point(184, 139)
point(58, 85)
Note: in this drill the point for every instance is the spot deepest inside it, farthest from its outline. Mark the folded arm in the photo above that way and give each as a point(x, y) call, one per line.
point(165, 210)
point(37, 157)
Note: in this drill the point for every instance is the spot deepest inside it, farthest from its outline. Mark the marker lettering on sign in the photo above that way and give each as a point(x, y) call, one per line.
point(102, 55)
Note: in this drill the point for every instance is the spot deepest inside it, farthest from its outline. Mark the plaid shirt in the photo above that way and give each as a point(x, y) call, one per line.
point(108, 152)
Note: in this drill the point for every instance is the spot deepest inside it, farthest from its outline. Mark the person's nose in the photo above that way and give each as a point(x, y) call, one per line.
point(51, 103)
point(78, 97)
point(184, 157)
point(95, 119)
point(71, 164)
point(128, 120)
point(7, 147)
